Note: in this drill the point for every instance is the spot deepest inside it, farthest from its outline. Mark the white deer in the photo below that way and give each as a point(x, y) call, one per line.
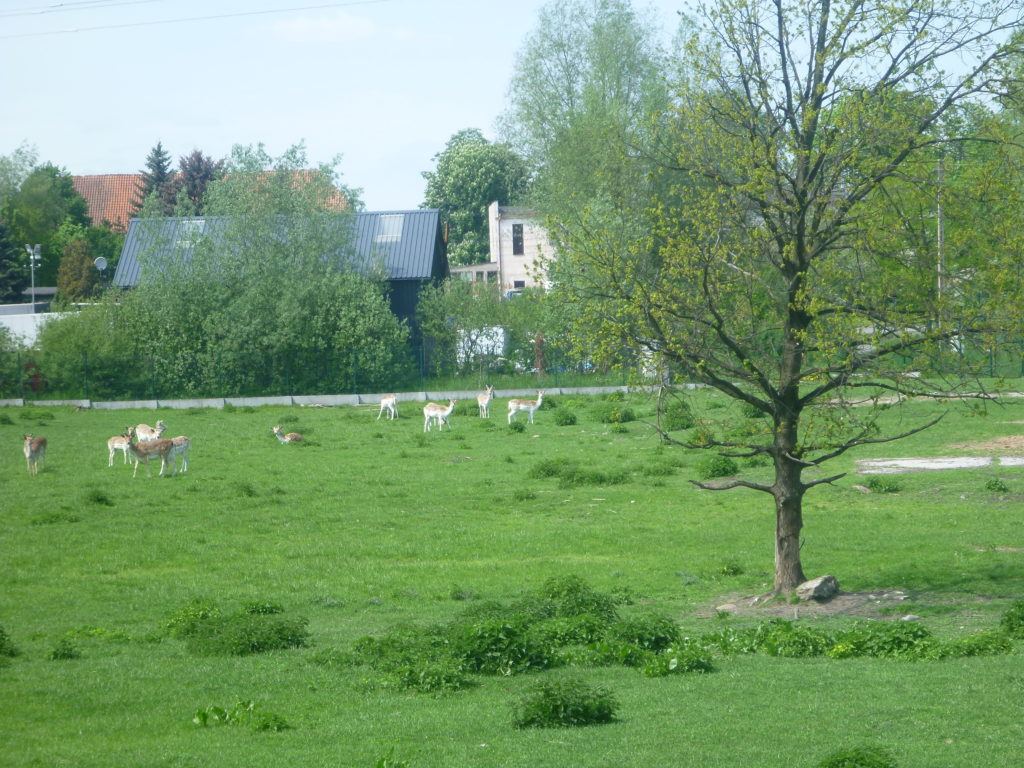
point(291, 437)
point(437, 413)
point(150, 449)
point(483, 401)
point(35, 452)
point(388, 403)
point(179, 447)
point(118, 443)
point(530, 406)
point(144, 432)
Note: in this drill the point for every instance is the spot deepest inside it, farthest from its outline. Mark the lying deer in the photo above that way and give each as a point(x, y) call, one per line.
point(438, 413)
point(388, 403)
point(483, 401)
point(291, 437)
point(530, 406)
point(35, 452)
point(118, 443)
point(144, 432)
point(150, 449)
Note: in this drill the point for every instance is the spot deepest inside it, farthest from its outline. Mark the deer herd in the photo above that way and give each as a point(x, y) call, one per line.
point(142, 443)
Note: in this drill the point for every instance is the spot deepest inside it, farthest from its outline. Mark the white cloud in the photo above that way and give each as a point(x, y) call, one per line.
point(337, 27)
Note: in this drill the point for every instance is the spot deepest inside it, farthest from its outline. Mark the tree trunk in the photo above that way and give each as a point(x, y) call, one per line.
point(789, 496)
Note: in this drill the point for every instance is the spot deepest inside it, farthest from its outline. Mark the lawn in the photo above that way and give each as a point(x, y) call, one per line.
point(369, 525)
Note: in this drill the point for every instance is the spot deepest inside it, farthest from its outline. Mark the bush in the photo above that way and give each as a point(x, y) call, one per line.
point(185, 620)
point(261, 608)
point(564, 417)
point(859, 757)
point(244, 633)
point(991, 643)
point(613, 413)
point(996, 486)
point(1013, 620)
point(433, 677)
point(711, 467)
point(565, 703)
point(688, 656)
point(561, 631)
point(551, 468)
point(499, 646)
point(242, 713)
point(677, 415)
point(650, 632)
point(517, 427)
point(885, 639)
point(572, 596)
point(64, 650)
point(884, 484)
point(578, 477)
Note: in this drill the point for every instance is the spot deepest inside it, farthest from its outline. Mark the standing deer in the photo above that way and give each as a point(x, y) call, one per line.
point(144, 432)
point(150, 449)
point(388, 403)
point(118, 443)
point(291, 437)
point(438, 413)
point(35, 452)
point(179, 447)
point(483, 401)
point(530, 406)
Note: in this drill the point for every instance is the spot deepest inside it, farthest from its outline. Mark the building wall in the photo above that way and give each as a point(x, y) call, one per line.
point(518, 271)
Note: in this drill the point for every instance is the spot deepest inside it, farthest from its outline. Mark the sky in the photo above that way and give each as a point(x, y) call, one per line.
point(382, 83)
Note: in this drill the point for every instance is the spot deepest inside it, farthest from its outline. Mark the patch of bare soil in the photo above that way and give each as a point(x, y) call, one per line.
point(1008, 444)
point(861, 604)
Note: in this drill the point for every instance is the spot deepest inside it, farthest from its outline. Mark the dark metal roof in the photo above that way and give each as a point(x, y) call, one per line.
point(407, 243)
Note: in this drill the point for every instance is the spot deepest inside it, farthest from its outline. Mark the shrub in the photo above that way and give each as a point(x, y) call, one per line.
point(574, 597)
point(884, 484)
point(885, 639)
point(185, 620)
point(619, 429)
point(731, 568)
point(996, 486)
point(702, 438)
point(791, 640)
point(688, 656)
point(859, 757)
point(401, 647)
point(64, 650)
point(560, 631)
point(7, 647)
point(499, 646)
point(677, 415)
point(650, 632)
point(433, 677)
point(563, 703)
point(1013, 620)
point(991, 643)
point(517, 427)
point(242, 713)
point(243, 634)
point(711, 467)
point(564, 417)
point(579, 476)
point(261, 608)
point(613, 413)
point(551, 468)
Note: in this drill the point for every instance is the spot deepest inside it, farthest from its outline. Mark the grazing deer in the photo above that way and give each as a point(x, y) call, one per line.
point(150, 449)
point(144, 432)
point(291, 437)
point(388, 403)
point(118, 443)
point(35, 452)
point(530, 406)
point(179, 447)
point(483, 401)
point(438, 413)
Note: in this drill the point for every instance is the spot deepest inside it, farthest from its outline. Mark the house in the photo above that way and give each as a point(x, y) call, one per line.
point(408, 245)
point(519, 251)
point(109, 197)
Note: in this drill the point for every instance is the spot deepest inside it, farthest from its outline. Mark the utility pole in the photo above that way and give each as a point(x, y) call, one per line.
point(34, 258)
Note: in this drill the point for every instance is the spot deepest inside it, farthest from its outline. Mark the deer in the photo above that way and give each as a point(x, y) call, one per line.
point(35, 452)
point(150, 449)
point(118, 443)
point(179, 447)
point(388, 403)
point(438, 413)
point(483, 401)
point(291, 437)
point(144, 432)
point(530, 406)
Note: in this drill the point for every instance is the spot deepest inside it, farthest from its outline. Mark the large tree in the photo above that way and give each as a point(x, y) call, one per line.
point(196, 172)
point(768, 262)
point(13, 270)
point(471, 173)
point(157, 181)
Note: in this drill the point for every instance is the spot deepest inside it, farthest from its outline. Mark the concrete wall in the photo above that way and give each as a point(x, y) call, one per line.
point(26, 327)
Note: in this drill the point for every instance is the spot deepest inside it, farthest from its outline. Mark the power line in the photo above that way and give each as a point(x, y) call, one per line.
point(82, 5)
point(182, 20)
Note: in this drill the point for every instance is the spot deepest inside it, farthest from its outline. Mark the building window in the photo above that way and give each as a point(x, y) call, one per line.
point(389, 228)
point(518, 283)
point(517, 240)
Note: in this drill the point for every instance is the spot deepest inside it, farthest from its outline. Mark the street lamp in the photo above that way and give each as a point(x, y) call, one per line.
point(34, 257)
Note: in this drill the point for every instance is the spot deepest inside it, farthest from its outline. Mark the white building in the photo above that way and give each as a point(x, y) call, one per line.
point(519, 251)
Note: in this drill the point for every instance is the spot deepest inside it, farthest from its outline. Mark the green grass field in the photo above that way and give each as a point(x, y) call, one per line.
point(372, 524)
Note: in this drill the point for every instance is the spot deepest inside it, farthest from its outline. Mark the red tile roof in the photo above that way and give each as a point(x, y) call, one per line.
point(109, 196)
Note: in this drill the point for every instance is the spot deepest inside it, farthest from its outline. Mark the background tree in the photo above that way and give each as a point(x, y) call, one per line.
point(44, 201)
point(77, 277)
point(757, 265)
point(158, 180)
point(13, 267)
point(14, 169)
point(195, 173)
point(469, 175)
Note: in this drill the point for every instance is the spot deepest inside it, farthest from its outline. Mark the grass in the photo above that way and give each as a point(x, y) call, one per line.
point(376, 524)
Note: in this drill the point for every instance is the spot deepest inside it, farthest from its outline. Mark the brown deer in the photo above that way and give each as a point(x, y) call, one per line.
point(437, 413)
point(388, 403)
point(151, 449)
point(530, 406)
point(35, 452)
point(483, 401)
point(291, 437)
point(118, 443)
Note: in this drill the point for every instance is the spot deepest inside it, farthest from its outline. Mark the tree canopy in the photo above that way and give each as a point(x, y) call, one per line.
point(470, 174)
point(766, 231)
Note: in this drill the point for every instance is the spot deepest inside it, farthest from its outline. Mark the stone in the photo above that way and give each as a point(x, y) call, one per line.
point(727, 608)
point(821, 588)
point(910, 617)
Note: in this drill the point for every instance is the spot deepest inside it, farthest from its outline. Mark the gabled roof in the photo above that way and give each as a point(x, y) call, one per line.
point(109, 196)
point(407, 243)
